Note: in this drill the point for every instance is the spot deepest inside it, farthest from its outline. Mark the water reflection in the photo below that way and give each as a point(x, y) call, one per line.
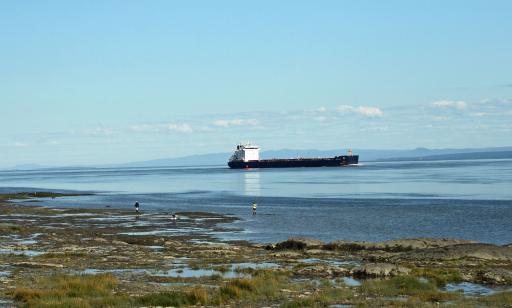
point(252, 186)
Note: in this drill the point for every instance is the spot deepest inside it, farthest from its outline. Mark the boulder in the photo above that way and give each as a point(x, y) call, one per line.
point(379, 270)
point(100, 239)
point(323, 271)
point(172, 243)
point(290, 255)
point(496, 276)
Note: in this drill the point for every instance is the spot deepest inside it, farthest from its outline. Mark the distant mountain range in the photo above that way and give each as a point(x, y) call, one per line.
point(364, 155)
point(456, 156)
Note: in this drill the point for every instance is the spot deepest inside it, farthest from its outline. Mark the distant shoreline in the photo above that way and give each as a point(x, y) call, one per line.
point(220, 159)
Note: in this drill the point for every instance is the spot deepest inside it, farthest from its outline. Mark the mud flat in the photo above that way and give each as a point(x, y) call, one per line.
point(52, 257)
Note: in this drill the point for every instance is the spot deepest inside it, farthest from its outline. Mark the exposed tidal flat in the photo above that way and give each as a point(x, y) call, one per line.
point(72, 257)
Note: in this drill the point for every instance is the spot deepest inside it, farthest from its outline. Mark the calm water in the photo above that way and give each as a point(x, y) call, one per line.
point(373, 201)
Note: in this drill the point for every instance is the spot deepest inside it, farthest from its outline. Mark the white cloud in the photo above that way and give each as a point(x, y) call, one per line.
point(447, 104)
point(480, 114)
point(165, 127)
point(181, 128)
point(235, 122)
point(101, 131)
point(366, 111)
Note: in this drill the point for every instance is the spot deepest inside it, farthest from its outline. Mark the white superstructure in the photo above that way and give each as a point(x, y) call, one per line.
point(246, 152)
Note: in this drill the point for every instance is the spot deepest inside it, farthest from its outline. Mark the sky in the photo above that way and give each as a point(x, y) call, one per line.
point(99, 82)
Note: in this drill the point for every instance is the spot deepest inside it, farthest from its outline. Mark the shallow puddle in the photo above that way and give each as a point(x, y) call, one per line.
point(155, 247)
point(95, 271)
point(193, 273)
point(351, 282)
point(28, 253)
point(164, 231)
point(75, 214)
point(329, 261)
point(245, 265)
point(27, 242)
point(234, 270)
point(474, 289)
point(5, 273)
point(203, 242)
point(6, 303)
point(109, 219)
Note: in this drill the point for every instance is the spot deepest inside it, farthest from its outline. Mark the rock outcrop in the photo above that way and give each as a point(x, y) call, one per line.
point(395, 245)
point(488, 252)
point(379, 270)
point(495, 276)
point(37, 264)
point(325, 271)
point(297, 243)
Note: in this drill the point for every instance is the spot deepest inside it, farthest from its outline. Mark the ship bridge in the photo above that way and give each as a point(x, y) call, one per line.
point(246, 152)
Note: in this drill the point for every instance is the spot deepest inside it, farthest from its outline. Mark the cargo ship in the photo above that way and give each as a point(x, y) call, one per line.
point(248, 156)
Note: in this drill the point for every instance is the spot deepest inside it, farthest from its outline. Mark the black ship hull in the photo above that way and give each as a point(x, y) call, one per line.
point(296, 162)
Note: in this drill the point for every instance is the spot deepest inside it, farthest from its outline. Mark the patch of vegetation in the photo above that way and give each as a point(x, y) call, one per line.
point(72, 291)
point(216, 277)
point(401, 285)
point(264, 284)
point(7, 228)
point(60, 255)
point(196, 296)
point(406, 285)
point(196, 264)
point(502, 299)
point(441, 276)
point(322, 298)
point(300, 266)
point(221, 268)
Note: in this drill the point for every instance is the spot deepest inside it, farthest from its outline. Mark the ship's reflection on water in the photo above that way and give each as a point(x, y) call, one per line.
point(252, 186)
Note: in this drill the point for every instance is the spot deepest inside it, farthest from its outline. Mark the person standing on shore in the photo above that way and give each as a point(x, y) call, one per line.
point(254, 206)
point(136, 205)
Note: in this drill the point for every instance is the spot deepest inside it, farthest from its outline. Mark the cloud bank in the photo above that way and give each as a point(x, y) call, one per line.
point(164, 127)
point(365, 111)
point(459, 105)
point(235, 122)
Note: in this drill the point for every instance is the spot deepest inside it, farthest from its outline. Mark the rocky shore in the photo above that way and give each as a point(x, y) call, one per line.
point(114, 258)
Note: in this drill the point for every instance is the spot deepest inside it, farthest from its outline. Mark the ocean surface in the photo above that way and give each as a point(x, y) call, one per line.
point(469, 199)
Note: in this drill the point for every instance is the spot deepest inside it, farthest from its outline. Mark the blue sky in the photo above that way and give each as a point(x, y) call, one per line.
point(88, 82)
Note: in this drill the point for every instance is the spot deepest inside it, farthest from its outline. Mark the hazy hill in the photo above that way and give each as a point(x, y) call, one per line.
point(364, 155)
point(457, 156)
